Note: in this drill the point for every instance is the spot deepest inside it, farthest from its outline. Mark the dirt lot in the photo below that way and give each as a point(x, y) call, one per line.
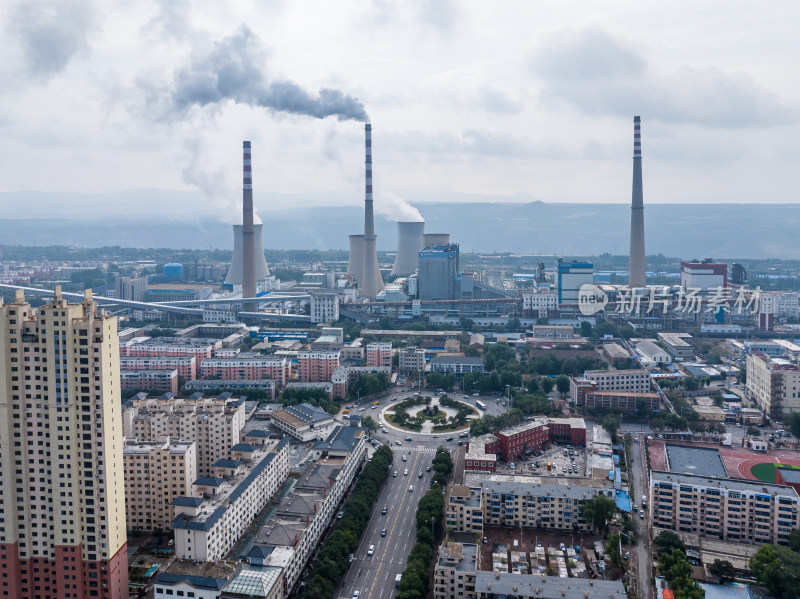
point(496, 535)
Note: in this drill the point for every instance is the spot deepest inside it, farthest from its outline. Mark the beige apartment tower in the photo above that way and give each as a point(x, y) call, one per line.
point(62, 532)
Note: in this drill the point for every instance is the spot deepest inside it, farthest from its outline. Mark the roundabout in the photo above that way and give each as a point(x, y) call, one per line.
point(428, 415)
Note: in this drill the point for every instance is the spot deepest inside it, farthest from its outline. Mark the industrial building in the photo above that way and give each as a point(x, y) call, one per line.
point(570, 277)
point(69, 429)
point(677, 344)
point(705, 276)
point(324, 306)
point(438, 273)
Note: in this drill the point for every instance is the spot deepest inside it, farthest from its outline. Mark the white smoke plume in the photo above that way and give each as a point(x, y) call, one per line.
point(395, 208)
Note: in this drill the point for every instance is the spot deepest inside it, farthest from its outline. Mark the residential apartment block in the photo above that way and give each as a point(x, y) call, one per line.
point(317, 366)
point(456, 566)
point(774, 384)
point(303, 421)
point(170, 346)
point(411, 359)
point(185, 365)
point(155, 475)
point(728, 509)
point(504, 585)
point(220, 508)
point(464, 510)
point(162, 381)
point(344, 376)
point(634, 380)
point(622, 401)
point(522, 438)
point(289, 539)
point(213, 423)
point(379, 354)
point(62, 493)
point(265, 367)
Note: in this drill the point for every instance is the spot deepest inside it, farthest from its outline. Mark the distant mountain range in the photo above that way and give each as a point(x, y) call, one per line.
point(155, 218)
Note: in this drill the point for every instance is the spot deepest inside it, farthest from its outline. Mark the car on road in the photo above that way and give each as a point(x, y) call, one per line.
point(371, 550)
point(355, 595)
point(384, 431)
point(395, 473)
point(410, 488)
point(340, 515)
point(449, 439)
point(641, 515)
point(460, 443)
point(404, 458)
point(383, 511)
point(405, 472)
point(383, 532)
point(635, 508)
point(419, 475)
point(361, 409)
point(409, 438)
point(397, 443)
point(563, 468)
point(428, 469)
point(464, 435)
point(436, 436)
point(350, 558)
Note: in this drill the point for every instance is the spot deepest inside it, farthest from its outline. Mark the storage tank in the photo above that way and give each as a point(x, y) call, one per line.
point(173, 271)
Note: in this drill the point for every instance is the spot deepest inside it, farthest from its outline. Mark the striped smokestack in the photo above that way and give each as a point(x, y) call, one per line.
point(372, 282)
point(248, 232)
point(636, 266)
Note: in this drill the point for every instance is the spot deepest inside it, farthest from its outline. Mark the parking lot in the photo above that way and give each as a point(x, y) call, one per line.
point(561, 465)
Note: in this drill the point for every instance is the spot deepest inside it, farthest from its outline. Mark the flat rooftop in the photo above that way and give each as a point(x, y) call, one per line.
point(695, 460)
point(734, 484)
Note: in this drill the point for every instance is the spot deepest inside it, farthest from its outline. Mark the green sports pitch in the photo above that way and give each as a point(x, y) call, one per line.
point(766, 471)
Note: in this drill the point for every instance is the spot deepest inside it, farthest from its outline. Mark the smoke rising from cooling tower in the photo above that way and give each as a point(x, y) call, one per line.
point(233, 69)
point(395, 208)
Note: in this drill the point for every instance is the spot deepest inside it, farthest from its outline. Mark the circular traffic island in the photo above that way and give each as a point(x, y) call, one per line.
point(428, 415)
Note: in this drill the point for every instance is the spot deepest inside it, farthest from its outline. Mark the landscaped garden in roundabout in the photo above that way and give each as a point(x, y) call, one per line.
point(426, 414)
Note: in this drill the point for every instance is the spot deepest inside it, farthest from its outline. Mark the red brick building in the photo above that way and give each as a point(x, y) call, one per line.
point(526, 436)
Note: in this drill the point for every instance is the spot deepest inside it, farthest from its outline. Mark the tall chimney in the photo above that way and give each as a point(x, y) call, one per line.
point(372, 282)
point(636, 267)
point(248, 233)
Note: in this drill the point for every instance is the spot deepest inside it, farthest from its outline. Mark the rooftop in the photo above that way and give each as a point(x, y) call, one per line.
point(342, 438)
point(457, 360)
point(536, 488)
point(254, 581)
point(547, 587)
point(695, 460)
point(461, 555)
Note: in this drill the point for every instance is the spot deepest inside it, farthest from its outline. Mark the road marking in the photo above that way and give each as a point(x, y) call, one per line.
point(382, 562)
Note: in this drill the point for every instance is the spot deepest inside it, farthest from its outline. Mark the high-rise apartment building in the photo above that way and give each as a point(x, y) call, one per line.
point(62, 508)
point(379, 353)
point(317, 366)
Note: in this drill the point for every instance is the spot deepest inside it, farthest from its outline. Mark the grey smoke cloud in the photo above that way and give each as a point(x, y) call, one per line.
point(51, 34)
point(234, 70)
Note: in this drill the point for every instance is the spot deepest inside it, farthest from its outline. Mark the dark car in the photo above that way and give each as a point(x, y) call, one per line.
point(449, 439)
point(383, 511)
point(428, 469)
point(419, 475)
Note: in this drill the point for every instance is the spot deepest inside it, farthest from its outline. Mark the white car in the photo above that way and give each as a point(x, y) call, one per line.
point(405, 472)
point(411, 488)
point(371, 550)
point(395, 473)
point(355, 594)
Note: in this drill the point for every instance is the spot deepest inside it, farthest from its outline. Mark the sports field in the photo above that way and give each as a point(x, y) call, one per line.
point(766, 471)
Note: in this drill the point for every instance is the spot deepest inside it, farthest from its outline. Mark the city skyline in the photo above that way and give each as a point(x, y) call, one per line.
point(110, 98)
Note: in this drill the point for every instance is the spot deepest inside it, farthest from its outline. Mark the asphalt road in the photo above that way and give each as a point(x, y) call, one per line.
point(374, 576)
point(641, 526)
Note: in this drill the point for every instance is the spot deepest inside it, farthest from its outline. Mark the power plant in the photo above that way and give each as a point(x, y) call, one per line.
point(248, 233)
point(435, 239)
point(410, 240)
point(369, 278)
point(636, 267)
point(234, 276)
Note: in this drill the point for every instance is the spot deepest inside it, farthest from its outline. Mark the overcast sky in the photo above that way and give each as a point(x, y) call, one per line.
point(465, 97)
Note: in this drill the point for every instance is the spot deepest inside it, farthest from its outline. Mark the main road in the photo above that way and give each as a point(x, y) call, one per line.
point(641, 525)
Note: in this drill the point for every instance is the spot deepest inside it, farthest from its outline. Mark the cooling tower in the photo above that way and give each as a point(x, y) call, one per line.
point(234, 276)
point(409, 243)
point(435, 239)
point(636, 267)
point(371, 282)
point(355, 265)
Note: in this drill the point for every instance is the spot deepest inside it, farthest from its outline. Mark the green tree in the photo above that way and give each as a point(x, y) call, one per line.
point(794, 540)
point(723, 570)
point(753, 432)
point(547, 385)
point(586, 328)
point(611, 423)
point(668, 541)
point(369, 423)
point(766, 567)
point(794, 425)
point(562, 384)
point(597, 512)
